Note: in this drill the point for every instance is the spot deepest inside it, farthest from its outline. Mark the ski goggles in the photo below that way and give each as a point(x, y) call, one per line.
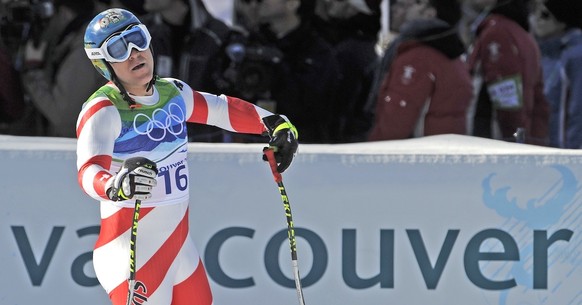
point(117, 47)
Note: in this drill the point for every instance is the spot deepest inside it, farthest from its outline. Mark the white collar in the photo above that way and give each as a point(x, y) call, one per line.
point(148, 100)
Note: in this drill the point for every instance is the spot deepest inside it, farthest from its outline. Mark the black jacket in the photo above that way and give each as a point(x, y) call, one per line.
point(305, 85)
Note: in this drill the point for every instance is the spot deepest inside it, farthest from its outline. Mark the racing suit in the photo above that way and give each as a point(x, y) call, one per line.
point(169, 269)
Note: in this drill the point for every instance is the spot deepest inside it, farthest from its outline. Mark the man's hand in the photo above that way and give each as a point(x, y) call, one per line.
point(283, 140)
point(135, 180)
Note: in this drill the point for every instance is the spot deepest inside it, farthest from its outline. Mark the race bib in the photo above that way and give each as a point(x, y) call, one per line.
point(507, 93)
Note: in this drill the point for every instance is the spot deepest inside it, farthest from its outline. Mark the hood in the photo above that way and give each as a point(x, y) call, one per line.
point(435, 33)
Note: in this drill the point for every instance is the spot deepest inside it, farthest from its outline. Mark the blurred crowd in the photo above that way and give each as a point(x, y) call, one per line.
point(501, 69)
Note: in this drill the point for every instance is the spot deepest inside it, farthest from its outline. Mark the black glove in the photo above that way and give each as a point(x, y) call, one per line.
point(135, 180)
point(283, 140)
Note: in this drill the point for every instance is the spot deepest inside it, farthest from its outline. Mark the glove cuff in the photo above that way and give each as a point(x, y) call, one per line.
point(111, 194)
point(109, 189)
point(116, 194)
point(276, 123)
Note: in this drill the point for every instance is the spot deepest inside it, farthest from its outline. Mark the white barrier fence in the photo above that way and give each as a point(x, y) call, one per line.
point(440, 220)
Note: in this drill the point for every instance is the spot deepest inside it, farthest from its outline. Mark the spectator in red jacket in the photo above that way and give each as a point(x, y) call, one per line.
point(424, 88)
point(507, 60)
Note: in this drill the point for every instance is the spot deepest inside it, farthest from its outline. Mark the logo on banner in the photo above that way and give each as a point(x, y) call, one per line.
point(554, 208)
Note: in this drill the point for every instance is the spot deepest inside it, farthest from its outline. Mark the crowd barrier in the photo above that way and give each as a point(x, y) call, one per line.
point(441, 220)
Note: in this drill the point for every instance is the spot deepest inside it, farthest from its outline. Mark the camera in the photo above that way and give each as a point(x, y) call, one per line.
point(22, 20)
point(26, 11)
point(251, 70)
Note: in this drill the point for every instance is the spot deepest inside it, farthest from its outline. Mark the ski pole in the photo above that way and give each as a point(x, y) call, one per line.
point(270, 153)
point(132, 249)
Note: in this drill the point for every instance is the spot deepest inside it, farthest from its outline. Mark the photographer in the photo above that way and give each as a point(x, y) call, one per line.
point(11, 95)
point(188, 42)
point(17, 23)
point(352, 28)
point(249, 67)
point(56, 74)
point(300, 68)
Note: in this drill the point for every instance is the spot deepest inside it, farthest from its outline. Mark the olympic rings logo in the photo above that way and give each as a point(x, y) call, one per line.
point(162, 120)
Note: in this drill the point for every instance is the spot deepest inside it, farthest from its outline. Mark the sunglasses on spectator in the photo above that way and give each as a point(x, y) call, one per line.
point(117, 48)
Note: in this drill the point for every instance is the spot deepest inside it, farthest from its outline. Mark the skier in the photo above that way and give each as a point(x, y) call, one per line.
point(132, 145)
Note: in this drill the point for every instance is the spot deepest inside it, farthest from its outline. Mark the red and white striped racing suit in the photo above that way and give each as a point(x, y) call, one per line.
point(169, 269)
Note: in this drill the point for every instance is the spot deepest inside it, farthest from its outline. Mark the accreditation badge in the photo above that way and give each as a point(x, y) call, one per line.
point(507, 93)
